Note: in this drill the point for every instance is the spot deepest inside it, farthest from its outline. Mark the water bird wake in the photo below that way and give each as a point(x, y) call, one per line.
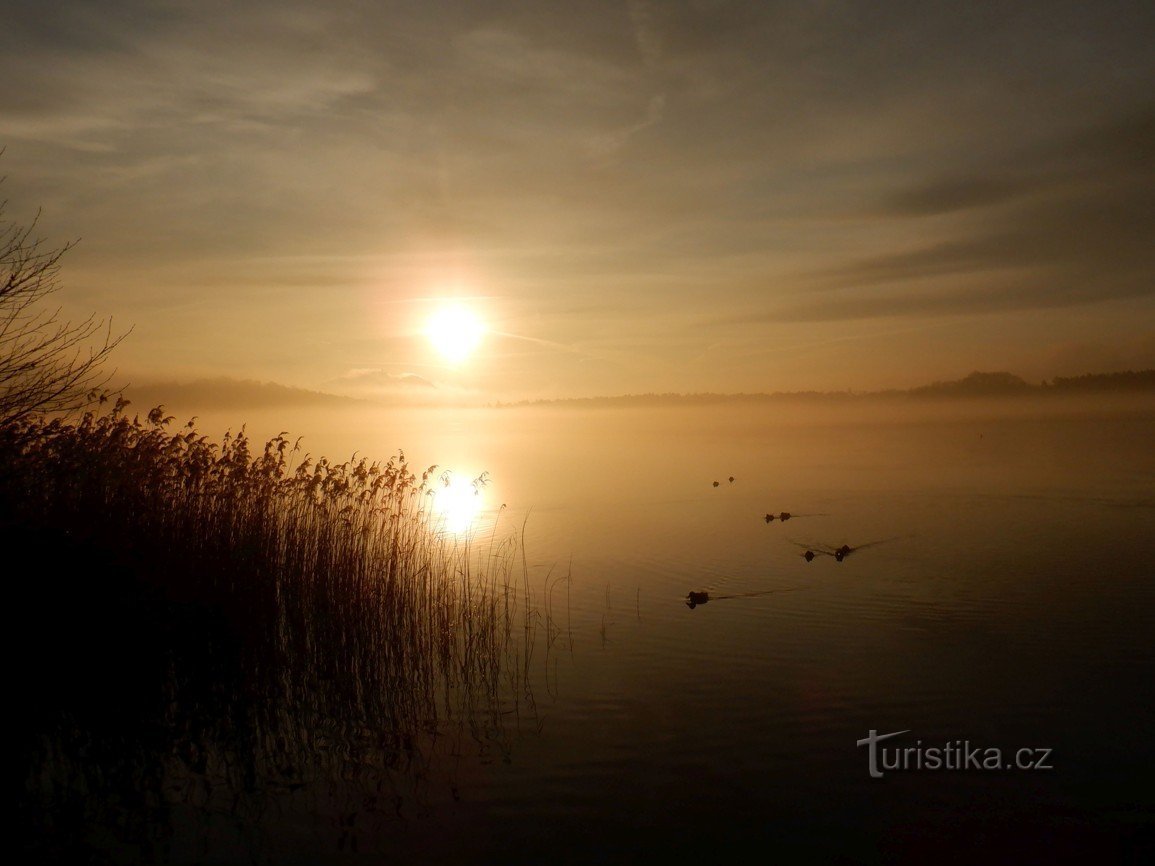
point(810, 551)
point(693, 599)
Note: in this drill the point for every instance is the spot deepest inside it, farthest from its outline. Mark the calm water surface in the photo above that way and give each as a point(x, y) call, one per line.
point(1009, 603)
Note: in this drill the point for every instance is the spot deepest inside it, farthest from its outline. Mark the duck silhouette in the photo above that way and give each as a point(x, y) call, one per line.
point(786, 515)
point(693, 599)
point(839, 553)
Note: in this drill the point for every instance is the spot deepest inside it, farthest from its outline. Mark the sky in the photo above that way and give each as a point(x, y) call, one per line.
point(629, 196)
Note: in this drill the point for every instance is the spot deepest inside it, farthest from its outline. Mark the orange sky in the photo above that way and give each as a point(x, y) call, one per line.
point(632, 196)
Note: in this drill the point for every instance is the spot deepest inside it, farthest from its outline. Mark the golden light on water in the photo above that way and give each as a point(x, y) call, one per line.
point(455, 331)
point(458, 504)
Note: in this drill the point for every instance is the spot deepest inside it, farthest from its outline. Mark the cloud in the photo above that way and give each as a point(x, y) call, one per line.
point(379, 379)
point(404, 389)
point(1111, 155)
point(604, 145)
point(951, 194)
point(104, 76)
point(648, 39)
point(280, 169)
point(1067, 222)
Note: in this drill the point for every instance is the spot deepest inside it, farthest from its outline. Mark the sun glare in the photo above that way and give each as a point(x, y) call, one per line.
point(455, 332)
point(458, 504)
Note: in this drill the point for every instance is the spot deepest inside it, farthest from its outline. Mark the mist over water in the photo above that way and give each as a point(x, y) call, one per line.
point(615, 481)
point(1002, 596)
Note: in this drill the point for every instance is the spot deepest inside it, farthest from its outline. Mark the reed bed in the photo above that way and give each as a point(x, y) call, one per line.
point(210, 624)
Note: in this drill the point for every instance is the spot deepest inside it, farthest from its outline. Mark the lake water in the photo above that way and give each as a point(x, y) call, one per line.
point(1003, 597)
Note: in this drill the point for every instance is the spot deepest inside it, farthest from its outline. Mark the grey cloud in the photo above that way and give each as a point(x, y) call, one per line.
point(1069, 222)
point(993, 294)
point(1118, 153)
point(749, 142)
point(704, 25)
point(605, 145)
point(957, 193)
point(648, 39)
point(1097, 235)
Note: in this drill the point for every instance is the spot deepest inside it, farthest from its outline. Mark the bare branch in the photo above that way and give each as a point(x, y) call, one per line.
point(46, 364)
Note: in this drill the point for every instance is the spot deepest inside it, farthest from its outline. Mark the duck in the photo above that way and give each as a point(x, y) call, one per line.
point(693, 599)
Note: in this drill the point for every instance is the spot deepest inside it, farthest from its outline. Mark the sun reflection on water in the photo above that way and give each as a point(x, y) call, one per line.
point(458, 503)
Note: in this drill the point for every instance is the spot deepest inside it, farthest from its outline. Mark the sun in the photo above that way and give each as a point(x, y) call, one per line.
point(455, 332)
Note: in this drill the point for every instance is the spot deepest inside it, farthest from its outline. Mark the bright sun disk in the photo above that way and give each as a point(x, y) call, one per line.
point(455, 332)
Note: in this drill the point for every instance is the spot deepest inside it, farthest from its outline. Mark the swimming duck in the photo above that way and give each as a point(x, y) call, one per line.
point(839, 553)
point(693, 599)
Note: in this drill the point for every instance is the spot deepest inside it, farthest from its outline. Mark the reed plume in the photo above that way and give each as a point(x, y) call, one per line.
point(259, 619)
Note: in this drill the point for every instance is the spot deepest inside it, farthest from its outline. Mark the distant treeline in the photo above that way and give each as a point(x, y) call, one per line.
point(995, 384)
point(1142, 380)
point(977, 384)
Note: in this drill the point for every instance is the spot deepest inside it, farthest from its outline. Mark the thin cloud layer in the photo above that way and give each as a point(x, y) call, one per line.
point(697, 168)
point(381, 380)
point(1064, 223)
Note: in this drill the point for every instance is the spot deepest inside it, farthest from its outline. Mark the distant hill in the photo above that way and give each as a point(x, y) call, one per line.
point(228, 394)
point(976, 385)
